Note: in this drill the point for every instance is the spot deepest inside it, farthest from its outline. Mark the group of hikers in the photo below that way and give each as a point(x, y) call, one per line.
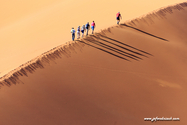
point(87, 27)
point(82, 30)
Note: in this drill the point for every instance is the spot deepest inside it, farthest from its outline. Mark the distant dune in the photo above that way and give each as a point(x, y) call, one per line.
point(117, 76)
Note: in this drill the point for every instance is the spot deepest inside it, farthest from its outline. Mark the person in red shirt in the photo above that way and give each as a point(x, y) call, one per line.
point(93, 26)
point(118, 17)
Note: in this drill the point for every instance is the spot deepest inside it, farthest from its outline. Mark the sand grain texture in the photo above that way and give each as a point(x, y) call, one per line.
point(117, 76)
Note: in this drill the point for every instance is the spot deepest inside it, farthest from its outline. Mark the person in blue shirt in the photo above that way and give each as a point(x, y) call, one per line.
point(82, 30)
point(87, 26)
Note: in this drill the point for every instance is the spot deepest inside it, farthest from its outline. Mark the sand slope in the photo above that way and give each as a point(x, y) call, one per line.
point(115, 77)
point(29, 28)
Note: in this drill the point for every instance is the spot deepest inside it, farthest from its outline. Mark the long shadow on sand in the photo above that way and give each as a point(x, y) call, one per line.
point(97, 41)
point(144, 32)
point(125, 44)
point(115, 47)
point(103, 50)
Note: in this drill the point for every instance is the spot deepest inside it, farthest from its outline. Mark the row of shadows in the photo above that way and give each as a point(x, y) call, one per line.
point(115, 47)
point(39, 63)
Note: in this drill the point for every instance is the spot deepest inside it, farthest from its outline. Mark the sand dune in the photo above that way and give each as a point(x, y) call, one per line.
point(118, 76)
point(29, 28)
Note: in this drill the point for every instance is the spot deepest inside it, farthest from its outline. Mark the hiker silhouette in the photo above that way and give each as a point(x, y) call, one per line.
point(73, 33)
point(93, 26)
point(118, 17)
point(87, 26)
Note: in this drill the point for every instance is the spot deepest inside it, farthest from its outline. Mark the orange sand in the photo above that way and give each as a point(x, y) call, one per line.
point(117, 76)
point(29, 28)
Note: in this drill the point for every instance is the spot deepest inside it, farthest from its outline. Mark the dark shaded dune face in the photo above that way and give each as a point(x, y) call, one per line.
point(119, 76)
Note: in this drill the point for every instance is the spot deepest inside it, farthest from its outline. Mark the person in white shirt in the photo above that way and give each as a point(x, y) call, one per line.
point(73, 33)
point(78, 32)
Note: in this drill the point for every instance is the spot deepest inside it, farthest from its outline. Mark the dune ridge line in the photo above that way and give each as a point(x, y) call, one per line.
point(66, 49)
point(158, 13)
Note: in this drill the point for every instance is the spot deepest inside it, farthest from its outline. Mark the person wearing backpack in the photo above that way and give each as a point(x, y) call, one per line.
point(73, 33)
point(93, 26)
point(87, 26)
point(78, 32)
point(82, 30)
point(118, 17)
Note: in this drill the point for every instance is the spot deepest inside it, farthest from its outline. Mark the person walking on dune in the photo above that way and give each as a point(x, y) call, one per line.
point(93, 26)
point(87, 26)
point(118, 17)
point(78, 32)
point(73, 33)
point(82, 30)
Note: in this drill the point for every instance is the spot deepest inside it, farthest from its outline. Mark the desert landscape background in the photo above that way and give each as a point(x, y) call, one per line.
point(120, 75)
point(30, 28)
